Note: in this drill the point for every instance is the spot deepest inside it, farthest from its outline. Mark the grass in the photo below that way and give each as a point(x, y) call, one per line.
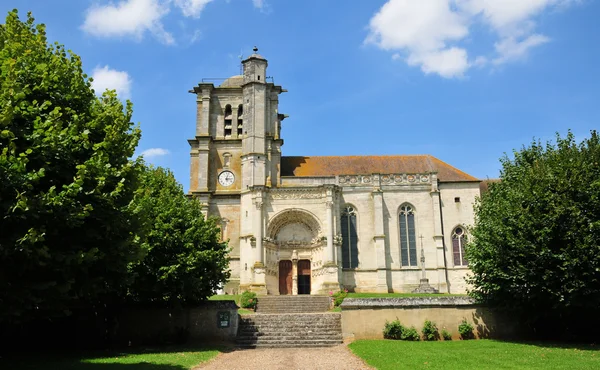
point(475, 354)
point(166, 358)
point(226, 297)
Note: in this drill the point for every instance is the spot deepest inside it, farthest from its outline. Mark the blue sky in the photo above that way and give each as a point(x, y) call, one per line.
point(463, 80)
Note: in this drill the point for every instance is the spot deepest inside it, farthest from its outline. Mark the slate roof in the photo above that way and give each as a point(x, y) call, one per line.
point(364, 165)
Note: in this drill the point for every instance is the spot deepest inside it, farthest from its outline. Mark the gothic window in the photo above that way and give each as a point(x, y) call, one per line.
point(228, 120)
point(459, 239)
point(349, 238)
point(240, 120)
point(408, 240)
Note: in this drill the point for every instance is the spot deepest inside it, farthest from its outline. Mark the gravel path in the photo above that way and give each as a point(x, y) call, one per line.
point(329, 358)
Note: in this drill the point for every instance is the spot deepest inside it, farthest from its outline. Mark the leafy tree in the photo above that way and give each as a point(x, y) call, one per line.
point(67, 234)
point(536, 245)
point(186, 261)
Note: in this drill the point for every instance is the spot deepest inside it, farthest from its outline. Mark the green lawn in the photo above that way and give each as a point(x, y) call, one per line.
point(226, 297)
point(148, 359)
point(474, 354)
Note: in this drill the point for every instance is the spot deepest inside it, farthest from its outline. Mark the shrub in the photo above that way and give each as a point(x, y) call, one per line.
point(393, 330)
point(466, 330)
point(410, 334)
point(446, 334)
point(248, 300)
point(338, 297)
point(430, 331)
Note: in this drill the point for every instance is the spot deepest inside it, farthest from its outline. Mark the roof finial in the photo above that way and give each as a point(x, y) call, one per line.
point(255, 49)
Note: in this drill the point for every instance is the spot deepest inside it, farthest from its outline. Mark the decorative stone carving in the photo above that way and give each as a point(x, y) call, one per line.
point(297, 194)
point(386, 179)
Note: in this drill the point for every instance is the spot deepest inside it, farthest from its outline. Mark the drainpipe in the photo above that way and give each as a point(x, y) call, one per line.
point(444, 241)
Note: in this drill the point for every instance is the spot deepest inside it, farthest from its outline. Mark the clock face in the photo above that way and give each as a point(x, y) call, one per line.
point(226, 178)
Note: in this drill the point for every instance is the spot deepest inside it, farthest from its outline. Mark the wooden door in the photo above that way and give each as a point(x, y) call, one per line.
point(304, 277)
point(285, 277)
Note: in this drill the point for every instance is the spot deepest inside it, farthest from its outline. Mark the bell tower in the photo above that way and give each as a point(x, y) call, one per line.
point(254, 148)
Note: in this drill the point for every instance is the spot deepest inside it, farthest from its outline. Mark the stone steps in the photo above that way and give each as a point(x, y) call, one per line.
point(293, 304)
point(290, 330)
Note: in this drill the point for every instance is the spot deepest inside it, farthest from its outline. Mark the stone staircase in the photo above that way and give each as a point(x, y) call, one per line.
point(293, 304)
point(290, 321)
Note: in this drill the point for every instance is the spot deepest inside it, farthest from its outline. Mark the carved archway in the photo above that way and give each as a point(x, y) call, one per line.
point(294, 225)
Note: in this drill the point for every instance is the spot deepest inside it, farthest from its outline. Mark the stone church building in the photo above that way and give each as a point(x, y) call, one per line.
point(310, 225)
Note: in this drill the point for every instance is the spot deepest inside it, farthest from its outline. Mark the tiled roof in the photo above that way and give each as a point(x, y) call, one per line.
point(363, 165)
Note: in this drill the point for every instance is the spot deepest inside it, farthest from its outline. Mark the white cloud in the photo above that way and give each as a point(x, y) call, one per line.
point(154, 152)
point(429, 32)
point(106, 78)
point(128, 18)
point(192, 8)
point(510, 49)
point(133, 18)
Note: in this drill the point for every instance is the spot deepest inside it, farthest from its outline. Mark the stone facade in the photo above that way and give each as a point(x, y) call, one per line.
point(275, 208)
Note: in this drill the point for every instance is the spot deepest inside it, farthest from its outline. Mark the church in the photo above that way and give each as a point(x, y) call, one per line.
point(317, 224)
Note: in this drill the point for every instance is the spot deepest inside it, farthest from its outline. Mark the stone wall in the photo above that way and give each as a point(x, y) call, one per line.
point(365, 318)
point(201, 323)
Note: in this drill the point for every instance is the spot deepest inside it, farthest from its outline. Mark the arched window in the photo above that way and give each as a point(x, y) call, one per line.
point(228, 120)
point(459, 239)
point(349, 238)
point(240, 120)
point(408, 240)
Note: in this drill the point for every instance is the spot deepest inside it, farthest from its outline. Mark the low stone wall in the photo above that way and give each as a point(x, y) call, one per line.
point(209, 322)
point(365, 318)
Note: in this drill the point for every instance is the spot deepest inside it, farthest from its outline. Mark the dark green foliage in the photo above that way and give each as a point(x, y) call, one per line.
point(430, 331)
point(446, 334)
point(67, 235)
point(410, 334)
point(185, 260)
point(535, 249)
point(465, 330)
point(248, 300)
point(393, 330)
point(338, 297)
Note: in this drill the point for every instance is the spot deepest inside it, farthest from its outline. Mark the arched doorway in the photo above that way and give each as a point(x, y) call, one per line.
point(303, 277)
point(285, 277)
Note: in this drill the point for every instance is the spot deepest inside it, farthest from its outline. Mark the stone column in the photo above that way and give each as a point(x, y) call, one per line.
point(329, 255)
point(259, 286)
point(234, 122)
point(379, 240)
point(438, 236)
point(294, 273)
point(258, 232)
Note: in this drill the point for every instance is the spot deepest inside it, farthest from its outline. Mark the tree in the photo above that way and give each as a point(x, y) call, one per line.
point(536, 238)
point(185, 261)
point(68, 234)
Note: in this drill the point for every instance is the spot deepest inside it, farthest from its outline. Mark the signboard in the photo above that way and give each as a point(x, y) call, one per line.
point(223, 319)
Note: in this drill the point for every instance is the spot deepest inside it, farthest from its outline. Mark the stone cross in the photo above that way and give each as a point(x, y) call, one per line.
point(422, 258)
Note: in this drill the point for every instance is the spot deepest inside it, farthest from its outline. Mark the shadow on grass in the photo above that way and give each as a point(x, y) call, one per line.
point(555, 345)
point(130, 359)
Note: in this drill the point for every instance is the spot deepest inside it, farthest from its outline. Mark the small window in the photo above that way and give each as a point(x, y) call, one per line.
point(228, 120)
point(459, 239)
point(457, 200)
point(259, 77)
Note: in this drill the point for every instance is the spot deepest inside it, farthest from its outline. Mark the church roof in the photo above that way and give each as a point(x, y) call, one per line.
point(364, 165)
point(233, 81)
